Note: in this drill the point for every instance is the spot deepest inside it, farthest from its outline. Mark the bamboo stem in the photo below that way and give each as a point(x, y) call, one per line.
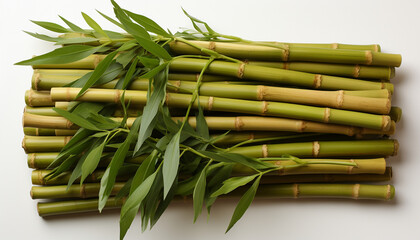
point(38, 178)
point(323, 149)
point(395, 114)
point(344, 70)
point(276, 75)
point(38, 99)
point(290, 54)
point(239, 123)
point(277, 109)
point(349, 191)
point(44, 144)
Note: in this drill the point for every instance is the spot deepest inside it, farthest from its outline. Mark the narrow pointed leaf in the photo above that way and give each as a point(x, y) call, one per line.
point(63, 41)
point(148, 24)
point(233, 183)
point(244, 203)
point(51, 26)
point(92, 160)
point(132, 205)
point(76, 119)
point(129, 75)
point(66, 54)
point(94, 25)
point(43, 37)
point(198, 194)
point(99, 71)
point(72, 26)
point(202, 127)
point(125, 58)
point(111, 20)
point(170, 163)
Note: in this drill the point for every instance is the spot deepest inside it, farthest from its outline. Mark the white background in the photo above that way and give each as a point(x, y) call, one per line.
point(393, 24)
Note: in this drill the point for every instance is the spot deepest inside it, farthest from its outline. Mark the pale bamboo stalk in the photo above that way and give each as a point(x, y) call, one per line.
point(277, 109)
point(239, 123)
point(89, 62)
point(348, 191)
point(290, 53)
point(38, 178)
point(44, 144)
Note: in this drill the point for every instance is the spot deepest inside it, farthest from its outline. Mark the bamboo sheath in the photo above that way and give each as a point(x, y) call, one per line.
point(349, 191)
point(38, 178)
point(290, 53)
point(277, 109)
point(343, 70)
point(238, 123)
point(335, 99)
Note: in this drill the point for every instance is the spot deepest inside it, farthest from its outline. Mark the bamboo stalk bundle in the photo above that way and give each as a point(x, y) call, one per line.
point(109, 119)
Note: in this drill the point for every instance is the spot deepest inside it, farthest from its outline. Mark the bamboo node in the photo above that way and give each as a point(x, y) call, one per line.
point(66, 139)
point(238, 123)
point(83, 191)
point(261, 91)
point(302, 126)
point(251, 136)
point(241, 70)
point(32, 160)
point(376, 47)
point(340, 98)
point(68, 96)
point(69, 124)
point(264, 150)
point(96, 61)
point(117, 96)
point(388, 192)
point(37, 78)
point(212, 46)
point(396, 147)
point(30, 97)
point(296, 190)
point(177, 85)
point(386, 122)
point(356, 191)
point(286, 66)
point(317, 81)
point(334, 45)
point(24, 143)
point(350, 168)
point(327, 114)
point(315, 148)
point(369, 57)
point(264, 107)
point(40, 178)
point(286, 53)
point(356, 71)
point(210, 103)
point(167, 98)
point(36, 131)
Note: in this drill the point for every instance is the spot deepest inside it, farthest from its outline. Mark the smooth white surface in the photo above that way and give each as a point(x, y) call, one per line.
point(393, 24)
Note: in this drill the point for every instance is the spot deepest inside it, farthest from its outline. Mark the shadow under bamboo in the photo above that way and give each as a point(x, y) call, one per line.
point(348, 191)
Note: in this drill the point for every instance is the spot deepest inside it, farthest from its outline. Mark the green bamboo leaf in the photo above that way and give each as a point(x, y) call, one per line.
point(152, 106)
point(124, 191)
point(244, 203)
point(154, 217)
point(43, 37)
point(98, 72)
point(76, 119)
point(72, 26)
point(103, 122)
point(233, 183)
point(65, 166)
point(152, 73)
point(193, 20)
point(63, 41)
point(150, 204)
point(94, 25)
point(145, 170)
point(99, 134)
point(238, 158)
point(110, 175)
point(51, 26)
point(84, 109)
point(66, 54)
point(129, 75)
point(92, 159)
point(153, 47)
point(125, 58)
point(148, 24)
point(202, 127)
point(198, 194)
point(170, 163)
point(132, 205)
point(149, 62)
point(127, 46)
point(77, 171)
point(111, 20)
